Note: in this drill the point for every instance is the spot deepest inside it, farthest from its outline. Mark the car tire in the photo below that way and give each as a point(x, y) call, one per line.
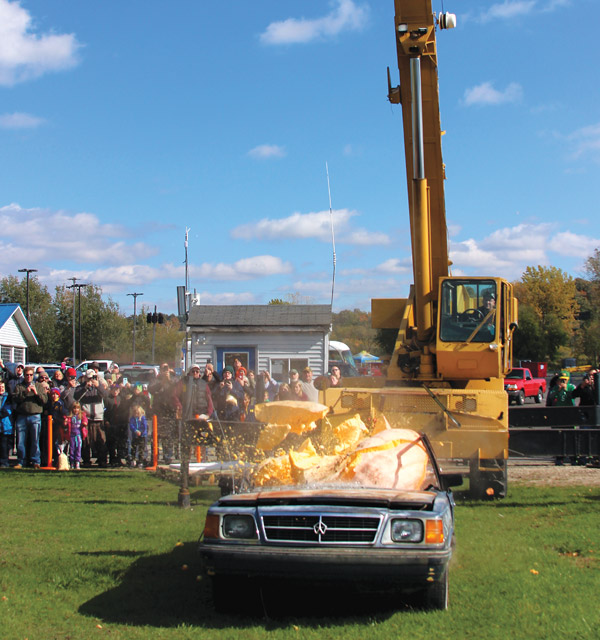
point(520, 399)
point(540, 396)
point(436, 595)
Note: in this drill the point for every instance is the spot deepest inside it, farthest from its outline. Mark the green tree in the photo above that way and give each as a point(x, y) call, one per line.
point(168, 339)
point(548, 312)
point(41, 313)
point(104, 331)
point(354, 329)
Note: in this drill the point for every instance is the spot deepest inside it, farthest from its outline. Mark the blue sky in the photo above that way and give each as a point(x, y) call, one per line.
point(124, 123)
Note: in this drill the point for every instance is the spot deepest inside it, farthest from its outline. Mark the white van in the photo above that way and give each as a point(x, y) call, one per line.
point(104, 365)
point(340, 355)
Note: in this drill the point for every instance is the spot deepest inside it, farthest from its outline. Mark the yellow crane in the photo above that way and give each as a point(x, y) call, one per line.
point(454, 342)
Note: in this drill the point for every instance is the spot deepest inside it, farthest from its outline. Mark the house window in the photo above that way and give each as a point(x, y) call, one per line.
point(6, 354)
point(280, 367)
point(19, 354)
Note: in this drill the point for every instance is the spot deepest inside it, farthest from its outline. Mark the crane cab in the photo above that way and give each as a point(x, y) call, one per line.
point(475, 321)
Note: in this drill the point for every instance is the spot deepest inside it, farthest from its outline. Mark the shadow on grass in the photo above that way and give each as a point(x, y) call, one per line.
point(158, 591)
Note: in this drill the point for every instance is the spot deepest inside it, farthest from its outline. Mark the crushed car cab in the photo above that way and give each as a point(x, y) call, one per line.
point(395, 538)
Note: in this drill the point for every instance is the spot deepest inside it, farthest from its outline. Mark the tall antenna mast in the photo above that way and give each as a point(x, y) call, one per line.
point(187, 279)
point(332, 235)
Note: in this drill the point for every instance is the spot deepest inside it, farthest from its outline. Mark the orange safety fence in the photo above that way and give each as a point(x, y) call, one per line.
point(154, 465)
point(49, 466)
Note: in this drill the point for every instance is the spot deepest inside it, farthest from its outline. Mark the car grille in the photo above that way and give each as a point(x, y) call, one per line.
point(321, 529)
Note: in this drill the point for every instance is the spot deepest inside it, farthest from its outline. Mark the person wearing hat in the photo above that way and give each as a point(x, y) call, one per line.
point(294, 376)
point(69, 389)
point(585, 391)
point(308, 386)
point(561, 395)
point(195, 395)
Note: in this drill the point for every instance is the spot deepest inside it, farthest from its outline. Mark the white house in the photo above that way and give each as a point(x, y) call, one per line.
point(15, 333)
point(273, 338)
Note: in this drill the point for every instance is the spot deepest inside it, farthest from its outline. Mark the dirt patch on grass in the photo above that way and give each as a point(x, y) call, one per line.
point(551, 475)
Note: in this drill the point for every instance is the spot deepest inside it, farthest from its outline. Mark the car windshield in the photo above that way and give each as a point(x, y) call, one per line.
point(514, 375)
point(138, 375)
point(296, 444)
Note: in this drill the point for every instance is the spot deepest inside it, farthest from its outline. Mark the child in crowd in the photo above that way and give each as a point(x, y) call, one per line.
point(76, 426)
point(138, 431)
point(6, 426)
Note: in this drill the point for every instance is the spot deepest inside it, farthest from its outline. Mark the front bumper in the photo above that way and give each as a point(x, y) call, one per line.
point(402, 567)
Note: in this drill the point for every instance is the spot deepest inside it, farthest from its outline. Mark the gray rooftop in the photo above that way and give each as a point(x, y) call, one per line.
point(260, 315)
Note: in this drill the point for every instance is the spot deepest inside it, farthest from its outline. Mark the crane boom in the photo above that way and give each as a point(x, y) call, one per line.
point(415, 40)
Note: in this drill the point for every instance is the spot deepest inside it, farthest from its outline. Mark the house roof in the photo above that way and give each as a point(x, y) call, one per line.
point(261, 315)
point(7, 311)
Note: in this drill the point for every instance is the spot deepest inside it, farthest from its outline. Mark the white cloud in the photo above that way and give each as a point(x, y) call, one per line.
point(576, 245)
point(511, 9)
point(243, 269)
point(346, 15)
point(585, 142)
point(395, 265)
point(227, 298)
point(486, 94)
point(43, 235)
point(24, 54)
point(508, 251)
point(20, 121)
point(508, 9)
point(267, 151)
point(315, 225)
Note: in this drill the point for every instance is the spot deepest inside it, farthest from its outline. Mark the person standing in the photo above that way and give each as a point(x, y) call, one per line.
point(30, 398)
point(562, 394)
point(90, 394)
point(308, 387)
point(6, 426)
point(166, 407)
point(196, 397)
point(585, 392)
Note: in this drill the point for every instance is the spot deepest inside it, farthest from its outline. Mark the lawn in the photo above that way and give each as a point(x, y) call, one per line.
point(109, 554)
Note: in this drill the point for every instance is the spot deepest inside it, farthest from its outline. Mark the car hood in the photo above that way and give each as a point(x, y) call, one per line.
point(344, 496)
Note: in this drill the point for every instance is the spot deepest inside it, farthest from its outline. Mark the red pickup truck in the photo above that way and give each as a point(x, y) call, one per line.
point(520, 384)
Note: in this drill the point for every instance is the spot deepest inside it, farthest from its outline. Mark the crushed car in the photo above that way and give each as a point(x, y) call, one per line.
point(345, 503)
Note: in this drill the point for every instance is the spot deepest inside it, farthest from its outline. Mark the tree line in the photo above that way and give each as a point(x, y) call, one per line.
point(105, 331)
point(559, 317)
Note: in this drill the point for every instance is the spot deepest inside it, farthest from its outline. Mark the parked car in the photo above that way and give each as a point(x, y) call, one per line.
point(386, 538)
point(520, 384)
point(138, 373)
point(82, 367)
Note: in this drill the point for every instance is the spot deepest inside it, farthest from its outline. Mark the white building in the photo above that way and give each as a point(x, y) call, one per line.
point(273, 338)
point(15, 334)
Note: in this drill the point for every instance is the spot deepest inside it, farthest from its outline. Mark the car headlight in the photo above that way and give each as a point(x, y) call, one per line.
point(407, 530)
point(239, 526)
point(512, 387)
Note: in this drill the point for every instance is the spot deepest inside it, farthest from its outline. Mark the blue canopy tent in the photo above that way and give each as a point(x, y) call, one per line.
point(366, 358)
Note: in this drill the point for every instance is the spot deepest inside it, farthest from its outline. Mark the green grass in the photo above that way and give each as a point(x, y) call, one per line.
point(92, 555)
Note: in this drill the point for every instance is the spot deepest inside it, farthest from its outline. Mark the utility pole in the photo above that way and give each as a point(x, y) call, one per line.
point(135, 297)
point(27, 271)
point(73, 280)
point(78, 287)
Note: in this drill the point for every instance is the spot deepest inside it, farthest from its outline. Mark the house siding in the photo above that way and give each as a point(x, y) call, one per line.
point(273, 345)
point(11, 335)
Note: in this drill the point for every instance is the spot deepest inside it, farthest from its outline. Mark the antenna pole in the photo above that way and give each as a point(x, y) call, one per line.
point(332, 235)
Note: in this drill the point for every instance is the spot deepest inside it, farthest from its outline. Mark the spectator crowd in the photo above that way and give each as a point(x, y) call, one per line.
point(103, 419)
